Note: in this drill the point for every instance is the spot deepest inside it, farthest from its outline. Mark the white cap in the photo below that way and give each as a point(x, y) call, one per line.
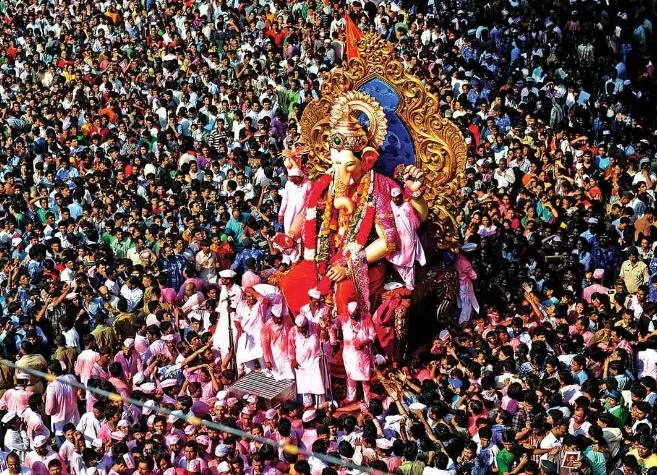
point(395, 192)
point(384, 444)
point(223, 467)
point(300, 321)
point(295, 172)
point(227, 274)
point(221, 451)
point(40, 441)
point(138, 378)
point(129, 342)
point(314, 293)
point(168, 383)
point(147, 388)
point(276, 310)
point(7, 418)
point(149, 406)
point(352, 307)
point(309, 415)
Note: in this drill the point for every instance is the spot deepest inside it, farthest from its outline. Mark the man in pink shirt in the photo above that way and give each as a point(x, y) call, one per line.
point(33, 420)
point(129, 359)
point(100, 367)
point(86, 359)
point(61, 398)
point(588, 292)
point(274, 340)
point(40, 457)
point(16, 399)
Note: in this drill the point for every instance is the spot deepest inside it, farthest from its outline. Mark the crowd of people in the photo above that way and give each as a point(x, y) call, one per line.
point(143, 197)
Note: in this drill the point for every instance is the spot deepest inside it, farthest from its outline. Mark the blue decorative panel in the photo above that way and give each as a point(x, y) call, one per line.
point(398, 146)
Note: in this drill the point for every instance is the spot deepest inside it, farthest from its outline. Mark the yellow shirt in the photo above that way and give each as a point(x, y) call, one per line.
point(634, 275)
point(646, 463)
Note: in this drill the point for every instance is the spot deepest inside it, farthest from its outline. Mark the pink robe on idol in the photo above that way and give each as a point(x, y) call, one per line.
point(466, 300)
point(410, 249)
point(357, 362)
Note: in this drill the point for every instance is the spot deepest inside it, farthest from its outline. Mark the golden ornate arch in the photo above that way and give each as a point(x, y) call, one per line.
point(438, 143)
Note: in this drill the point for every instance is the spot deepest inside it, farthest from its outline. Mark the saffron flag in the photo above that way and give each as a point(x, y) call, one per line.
point(353, 34)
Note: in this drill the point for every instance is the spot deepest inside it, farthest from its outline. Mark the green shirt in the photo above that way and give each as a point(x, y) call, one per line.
point(504, 462)
point(411, 468)
point(597, 460)
point(620, 413)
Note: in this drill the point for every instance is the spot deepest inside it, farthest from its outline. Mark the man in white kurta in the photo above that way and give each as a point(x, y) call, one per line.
point(315, 311)
point(274, 297)
point(410, 250)
point(230, 296)
point(318, 312)
point(249, 319)
point(274, 341)
point(296, 193)
point(358, 334)
point(304, 347)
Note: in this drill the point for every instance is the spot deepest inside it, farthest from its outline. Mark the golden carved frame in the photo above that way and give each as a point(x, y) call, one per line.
point(439, 146)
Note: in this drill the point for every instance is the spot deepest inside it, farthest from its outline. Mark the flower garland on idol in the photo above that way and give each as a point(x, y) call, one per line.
point(345, 246)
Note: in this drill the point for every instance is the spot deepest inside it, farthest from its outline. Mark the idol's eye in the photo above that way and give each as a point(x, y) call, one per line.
point(337, 140)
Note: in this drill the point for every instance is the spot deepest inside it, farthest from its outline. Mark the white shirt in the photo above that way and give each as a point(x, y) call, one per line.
point(133, 296)
point(647, 363)
point(550, 442)
point(24, 471)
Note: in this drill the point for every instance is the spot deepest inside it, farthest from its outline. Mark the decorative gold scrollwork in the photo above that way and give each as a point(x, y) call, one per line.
point(439, 145)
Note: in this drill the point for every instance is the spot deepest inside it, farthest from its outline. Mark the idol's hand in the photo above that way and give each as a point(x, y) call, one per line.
point(337, 273)
point(413, 178)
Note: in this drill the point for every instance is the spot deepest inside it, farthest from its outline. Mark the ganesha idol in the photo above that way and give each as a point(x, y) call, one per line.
point(348, 230)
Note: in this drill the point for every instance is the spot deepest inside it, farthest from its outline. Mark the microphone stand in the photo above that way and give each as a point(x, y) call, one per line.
point(231, 343)
point(324, 363)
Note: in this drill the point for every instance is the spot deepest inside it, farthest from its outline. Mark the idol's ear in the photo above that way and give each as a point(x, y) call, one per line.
point(368, 158)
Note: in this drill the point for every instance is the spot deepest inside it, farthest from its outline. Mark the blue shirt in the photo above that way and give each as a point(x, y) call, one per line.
point(239, 265)
point(173, 266)
point(75, 209)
